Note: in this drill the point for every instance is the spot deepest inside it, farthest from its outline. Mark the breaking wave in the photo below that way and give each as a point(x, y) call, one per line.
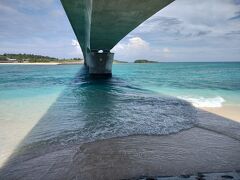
point(215, 102)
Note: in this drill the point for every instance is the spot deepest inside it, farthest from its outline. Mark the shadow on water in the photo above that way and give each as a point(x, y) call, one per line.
point(93, 109)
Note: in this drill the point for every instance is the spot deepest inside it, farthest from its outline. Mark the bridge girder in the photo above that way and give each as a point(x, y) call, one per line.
point(101, 24)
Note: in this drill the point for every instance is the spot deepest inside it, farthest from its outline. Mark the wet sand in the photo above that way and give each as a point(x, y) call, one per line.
point(231, 112)
point(213, 145)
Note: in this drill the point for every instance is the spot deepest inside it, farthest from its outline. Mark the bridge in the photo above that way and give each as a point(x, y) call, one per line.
point(100, 24)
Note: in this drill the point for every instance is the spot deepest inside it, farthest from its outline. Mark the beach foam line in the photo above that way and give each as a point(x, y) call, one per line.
point(215, 102)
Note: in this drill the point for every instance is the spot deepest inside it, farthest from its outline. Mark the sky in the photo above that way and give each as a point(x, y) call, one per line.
point(186, 30)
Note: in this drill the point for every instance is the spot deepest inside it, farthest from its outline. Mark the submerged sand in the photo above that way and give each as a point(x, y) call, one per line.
point(213, 145)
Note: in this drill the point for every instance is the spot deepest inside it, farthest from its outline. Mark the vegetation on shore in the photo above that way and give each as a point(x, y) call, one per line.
point(31, 58)
point(119, 62)
point(144, 61)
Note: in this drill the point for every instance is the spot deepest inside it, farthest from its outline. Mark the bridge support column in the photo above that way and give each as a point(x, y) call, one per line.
point(100, 64)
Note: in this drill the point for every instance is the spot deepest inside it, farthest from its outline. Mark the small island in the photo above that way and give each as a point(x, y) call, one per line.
point(119, 62)
point(144, 61)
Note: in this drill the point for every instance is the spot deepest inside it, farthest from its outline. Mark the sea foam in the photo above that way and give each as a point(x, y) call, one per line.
point(214, 102)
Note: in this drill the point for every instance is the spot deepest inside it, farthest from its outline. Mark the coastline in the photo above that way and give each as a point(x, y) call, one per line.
point(212, 145)
point(54, 63)
point(50, 63)
point(228, 111)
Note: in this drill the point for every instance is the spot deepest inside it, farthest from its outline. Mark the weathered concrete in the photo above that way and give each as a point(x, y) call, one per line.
point(101, 24)
point(101, 63)
point(212, 146)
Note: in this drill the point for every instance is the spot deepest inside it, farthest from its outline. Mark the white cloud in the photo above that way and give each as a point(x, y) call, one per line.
point(193, 30)
point(184, 18)
point(189, 29)
point(166, 50)
point(134, 44)
point(77, 51)
point(75, 43)
point(137, 48)
point(134, 48)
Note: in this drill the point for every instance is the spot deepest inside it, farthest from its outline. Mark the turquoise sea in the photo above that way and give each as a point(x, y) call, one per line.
point(47, 104)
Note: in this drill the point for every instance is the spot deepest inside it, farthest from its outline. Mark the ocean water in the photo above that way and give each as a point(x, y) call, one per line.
point(41, 105)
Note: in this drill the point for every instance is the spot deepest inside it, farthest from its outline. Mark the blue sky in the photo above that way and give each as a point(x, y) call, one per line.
point(186, 30)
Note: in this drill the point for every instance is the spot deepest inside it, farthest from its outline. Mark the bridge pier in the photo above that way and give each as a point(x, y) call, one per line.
point(100, 64)
point(99, 25)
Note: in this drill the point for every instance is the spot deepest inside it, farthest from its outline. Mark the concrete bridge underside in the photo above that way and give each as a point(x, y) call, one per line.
point(101, 24)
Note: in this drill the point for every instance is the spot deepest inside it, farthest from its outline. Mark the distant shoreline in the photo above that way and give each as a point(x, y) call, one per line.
point(144, 61)
point(53, 63)
point(50, 63)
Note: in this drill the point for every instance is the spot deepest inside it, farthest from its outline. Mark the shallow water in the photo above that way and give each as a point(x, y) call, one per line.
point(61, 104)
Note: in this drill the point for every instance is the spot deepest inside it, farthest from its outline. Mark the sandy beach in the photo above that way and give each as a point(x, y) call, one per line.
point(230, 112)
point(119, 90)
point(211, 146)
point(29, 63)
point(50, 63)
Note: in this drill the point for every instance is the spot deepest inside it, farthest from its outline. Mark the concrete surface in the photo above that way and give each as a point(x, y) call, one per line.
point(101, 24)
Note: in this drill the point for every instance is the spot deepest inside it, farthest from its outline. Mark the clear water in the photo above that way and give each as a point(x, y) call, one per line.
point(203, 84)
point(48, 104)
